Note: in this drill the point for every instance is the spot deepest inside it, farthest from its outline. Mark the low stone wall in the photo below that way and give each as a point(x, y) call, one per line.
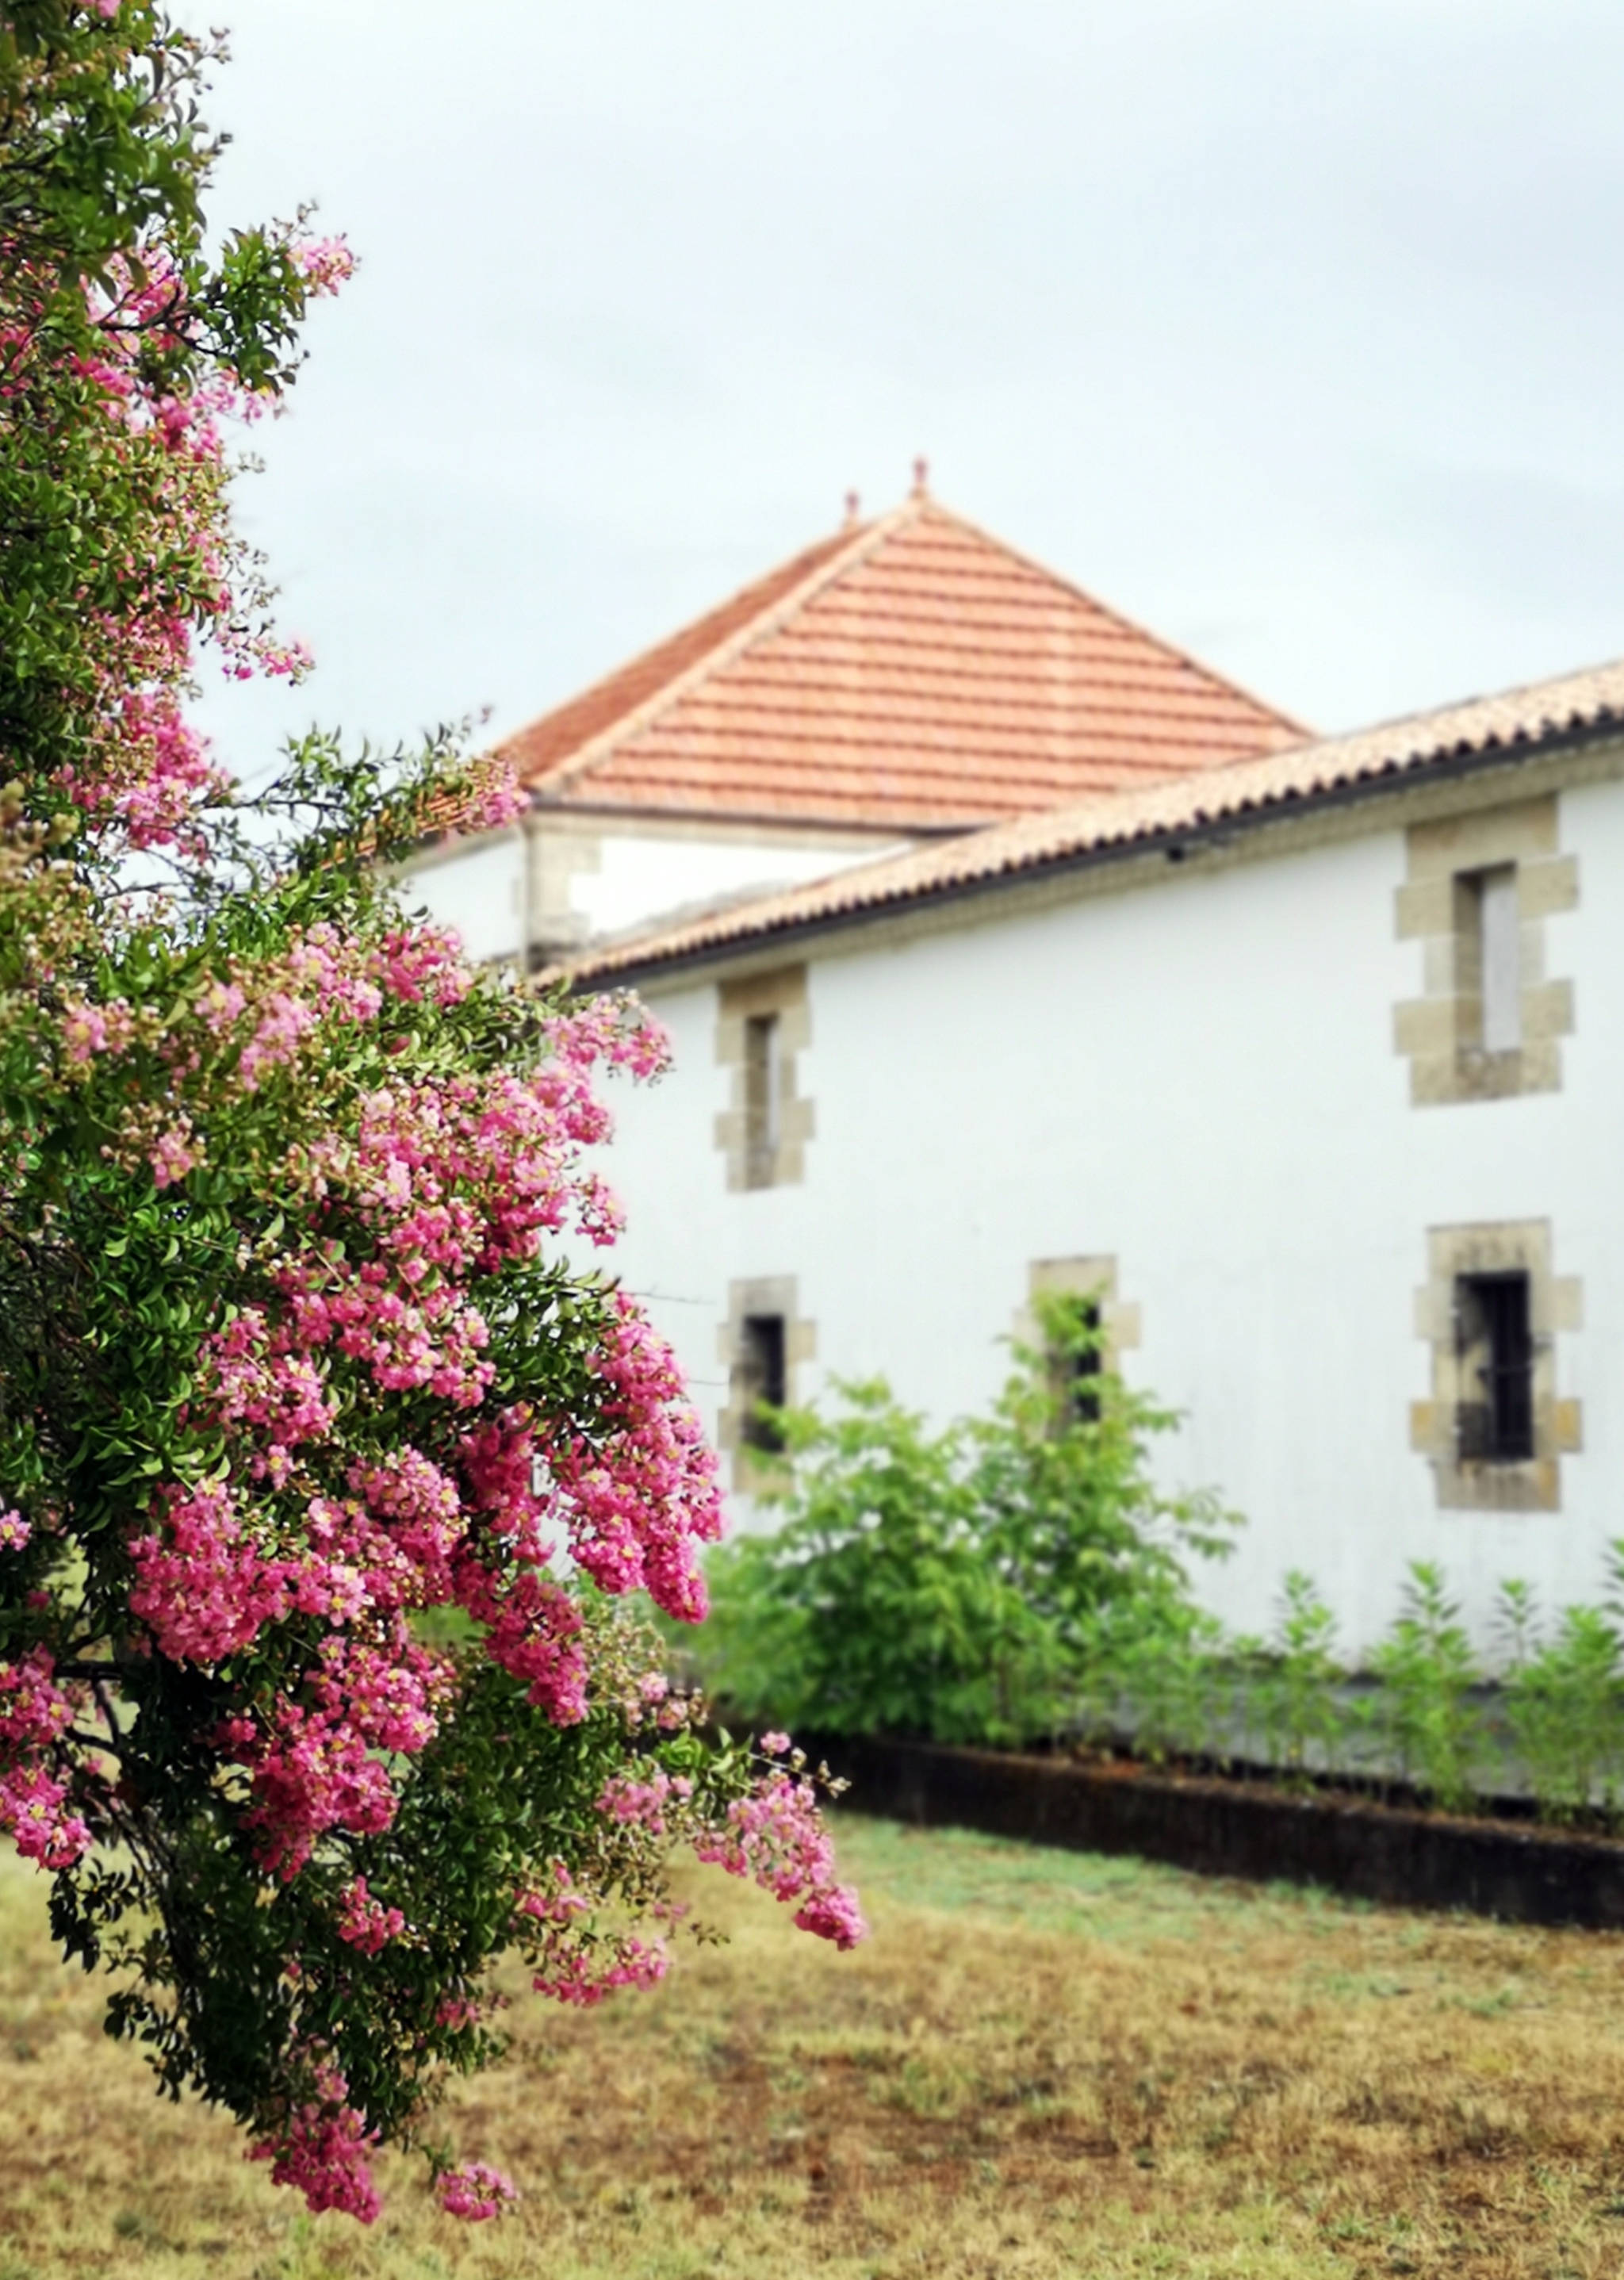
point(1522, 1874)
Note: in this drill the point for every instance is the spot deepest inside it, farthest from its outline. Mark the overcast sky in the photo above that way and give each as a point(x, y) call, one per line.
point(1294, 331)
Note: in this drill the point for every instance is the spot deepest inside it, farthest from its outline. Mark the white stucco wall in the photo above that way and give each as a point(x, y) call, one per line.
point(607, 878)
point(1198, 1078)
point(478, 891)
point(638, 876)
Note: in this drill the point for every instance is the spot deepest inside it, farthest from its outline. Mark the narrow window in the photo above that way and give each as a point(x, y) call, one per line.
point(760, 1098)
point(761, 1378)
point(1494, 929)
point(1496, 1421)
point(1082, 1366)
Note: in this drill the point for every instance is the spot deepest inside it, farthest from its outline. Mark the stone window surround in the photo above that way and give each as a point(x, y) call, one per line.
point(781, 993)
point(1441, 1032)
point(1555, 1304)
point(1092, 1275)
point(754, 1469)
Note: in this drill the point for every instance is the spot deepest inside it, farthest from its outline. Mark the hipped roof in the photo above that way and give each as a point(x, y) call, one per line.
point(909, 673)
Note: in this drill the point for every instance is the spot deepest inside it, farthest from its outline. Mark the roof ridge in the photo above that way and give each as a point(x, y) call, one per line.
point(769, 619)
point(1053, 577)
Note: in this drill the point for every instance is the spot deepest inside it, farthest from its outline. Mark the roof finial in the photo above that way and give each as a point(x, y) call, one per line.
point(852, 504)
point(922, 476)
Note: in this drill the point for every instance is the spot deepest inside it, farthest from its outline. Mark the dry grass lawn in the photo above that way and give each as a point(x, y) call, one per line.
point(1043, 2064)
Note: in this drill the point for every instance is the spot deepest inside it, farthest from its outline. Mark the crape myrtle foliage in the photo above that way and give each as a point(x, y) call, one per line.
point(325, 1479)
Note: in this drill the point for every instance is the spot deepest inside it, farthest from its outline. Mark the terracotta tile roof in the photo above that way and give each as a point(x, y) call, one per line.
point(908, 674)
point(1581, 707)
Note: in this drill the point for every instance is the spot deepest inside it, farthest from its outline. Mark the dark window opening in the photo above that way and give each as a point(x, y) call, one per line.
point(760, 1098)
point(1496, 1421)
point(761, 1378)
point(1078, 1368)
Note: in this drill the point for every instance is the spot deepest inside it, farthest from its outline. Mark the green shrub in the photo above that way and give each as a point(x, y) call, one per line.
point(874, 1608)
point(1009, 1576)
point(1565, 1705)
point(957, 1583)
point(1159, 1674)
point(1424, 1715)
point(1292, 1705)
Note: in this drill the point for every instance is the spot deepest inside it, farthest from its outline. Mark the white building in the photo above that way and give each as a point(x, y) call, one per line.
point(903, 681)
point(1311, 1066)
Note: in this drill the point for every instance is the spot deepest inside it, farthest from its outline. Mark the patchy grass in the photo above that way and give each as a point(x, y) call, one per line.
point(1042, 2065)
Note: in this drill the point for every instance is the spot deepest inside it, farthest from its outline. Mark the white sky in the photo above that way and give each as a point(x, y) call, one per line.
point(1294, 330)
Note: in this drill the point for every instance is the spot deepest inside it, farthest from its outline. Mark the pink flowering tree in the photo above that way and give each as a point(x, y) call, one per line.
point(331, 1469)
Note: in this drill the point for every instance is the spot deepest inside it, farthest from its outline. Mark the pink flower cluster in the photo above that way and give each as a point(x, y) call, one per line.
point(642, 1500)
point(476, 2191)
point(166, 770)
point(175, 1153)
point(573, 1962)
point(326, 262)
point(645, 1803)
point(88, 1029)
point(535, 1633)
point(35, 1804)
point(315, 1764)
point(775, 1836)
point(147, 774)
point(774, 1833)
point(323, 2146)
point(366, 1922)
point(264, 1013)
point(203, 1585)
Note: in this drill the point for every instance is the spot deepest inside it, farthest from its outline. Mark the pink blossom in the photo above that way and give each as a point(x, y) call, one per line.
point(833, 1914)
point(476, 2191)
point(366, 1922)
point(647, 1802)
point(326, 262)
point(203, 1585)
point(776, 1837)
point(35, 1805)
point(89, 1029)
point(322, 2146)
point(535, 1633)
point(173, 1155)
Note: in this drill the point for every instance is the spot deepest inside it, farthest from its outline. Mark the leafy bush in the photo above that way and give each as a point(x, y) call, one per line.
point(875, 1608)
point(1424, 1713)
point(957, 1583)
point(1563, 1710)
point(1019, 1575)
point(1564, 1703)
point(1160, 1675)
point(1064, 1490)
point(1290, 1689)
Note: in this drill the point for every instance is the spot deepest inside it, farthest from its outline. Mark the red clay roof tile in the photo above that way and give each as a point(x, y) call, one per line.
point(910, 673)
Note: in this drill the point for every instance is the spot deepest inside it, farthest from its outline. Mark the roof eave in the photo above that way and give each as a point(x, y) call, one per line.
point(779, 819)
point(1396, 777)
